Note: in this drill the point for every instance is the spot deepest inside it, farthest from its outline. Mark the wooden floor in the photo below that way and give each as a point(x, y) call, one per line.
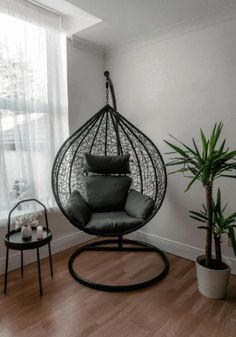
point(173, 308)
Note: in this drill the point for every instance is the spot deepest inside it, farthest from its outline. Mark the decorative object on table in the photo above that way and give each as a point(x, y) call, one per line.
point(34, 221)
point(26, 231)
point(119, 156)
point(14, 240)
point(39, 230)
point(17, 224)
point(206, 164)
point(30, 218)
point(24, 222)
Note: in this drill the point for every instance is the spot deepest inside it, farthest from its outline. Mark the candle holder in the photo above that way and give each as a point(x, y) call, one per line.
point(39, 230)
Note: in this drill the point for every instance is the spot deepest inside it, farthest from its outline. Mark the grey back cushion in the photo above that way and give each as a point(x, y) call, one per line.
point(107, 164)
point(78, 208)
point(138, 205)
point(107, 193)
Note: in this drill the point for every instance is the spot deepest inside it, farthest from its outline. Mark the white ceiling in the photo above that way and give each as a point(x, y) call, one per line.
point(124, 20)
point(74, 18)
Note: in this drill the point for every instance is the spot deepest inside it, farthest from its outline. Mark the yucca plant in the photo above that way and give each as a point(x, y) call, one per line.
point(222, 224)
point(205, 163)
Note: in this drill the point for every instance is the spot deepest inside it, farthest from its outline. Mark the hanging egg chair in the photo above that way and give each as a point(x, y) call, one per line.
point(109, 179)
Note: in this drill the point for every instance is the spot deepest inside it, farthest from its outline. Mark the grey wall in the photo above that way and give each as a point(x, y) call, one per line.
point(86, 86)
point(175, 87)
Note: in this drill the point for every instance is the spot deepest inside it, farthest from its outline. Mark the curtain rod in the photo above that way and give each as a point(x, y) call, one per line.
point(36, 3)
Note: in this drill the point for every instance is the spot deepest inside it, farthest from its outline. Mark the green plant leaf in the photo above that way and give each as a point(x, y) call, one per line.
point(199, 214)
point(221, 149)
point(174, 163)
point(182, 170)
point(177, 149)
point(197, 151)
point(215, 135)
point(189, 150)
point(204, 141)
point(232, 238)
point(197, 219)
point(194, 179)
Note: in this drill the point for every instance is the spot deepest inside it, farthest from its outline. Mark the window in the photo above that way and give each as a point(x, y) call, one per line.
point(33, 109)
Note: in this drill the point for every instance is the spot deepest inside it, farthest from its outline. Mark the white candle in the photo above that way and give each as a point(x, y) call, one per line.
point(39, 232)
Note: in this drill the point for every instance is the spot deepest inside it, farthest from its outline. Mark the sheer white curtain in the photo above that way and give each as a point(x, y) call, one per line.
point(33, 101)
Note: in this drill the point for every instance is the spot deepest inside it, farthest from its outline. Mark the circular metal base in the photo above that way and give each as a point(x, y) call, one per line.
point(102, 246)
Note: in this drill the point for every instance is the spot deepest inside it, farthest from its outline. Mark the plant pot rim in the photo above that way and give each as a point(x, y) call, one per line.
point(202, 257)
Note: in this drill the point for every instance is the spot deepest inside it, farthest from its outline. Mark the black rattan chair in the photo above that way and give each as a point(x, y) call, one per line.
point(108, 133)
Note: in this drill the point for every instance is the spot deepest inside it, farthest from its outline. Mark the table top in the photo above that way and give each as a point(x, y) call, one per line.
point(15, 241)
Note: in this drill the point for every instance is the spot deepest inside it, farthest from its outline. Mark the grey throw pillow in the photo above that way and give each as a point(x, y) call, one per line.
point(107, 193)
point(107, 164)
point(138, 205)
point(78, 208)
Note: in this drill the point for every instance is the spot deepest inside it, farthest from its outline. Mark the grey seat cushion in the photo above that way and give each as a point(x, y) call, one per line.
point(112, 222)
point(138, 205)
point(107, 164)
point(107, 193)
point(78, 208)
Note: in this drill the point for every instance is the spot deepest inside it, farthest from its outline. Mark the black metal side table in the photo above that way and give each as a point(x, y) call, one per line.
point(14, 240)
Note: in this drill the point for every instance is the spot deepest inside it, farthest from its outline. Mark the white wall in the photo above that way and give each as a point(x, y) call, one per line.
point(86, 84)
point(86, 96)
point(175, 87)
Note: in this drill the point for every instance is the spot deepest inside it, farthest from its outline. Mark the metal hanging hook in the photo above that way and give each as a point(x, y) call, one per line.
point(110, 85)
point(107, 92)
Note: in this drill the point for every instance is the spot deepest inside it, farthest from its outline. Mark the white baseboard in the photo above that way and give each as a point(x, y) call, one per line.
point(176, 248)
point(68, 241)
point(57, 245)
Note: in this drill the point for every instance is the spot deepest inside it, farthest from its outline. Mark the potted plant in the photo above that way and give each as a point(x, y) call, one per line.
point(213, 282)
point(206, 163)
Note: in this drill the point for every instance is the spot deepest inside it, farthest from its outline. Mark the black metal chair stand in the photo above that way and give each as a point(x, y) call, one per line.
point(13, 240)
point(103, 246)
point(107, 134)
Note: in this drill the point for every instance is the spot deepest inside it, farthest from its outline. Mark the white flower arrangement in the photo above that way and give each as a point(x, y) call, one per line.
point(28, 219)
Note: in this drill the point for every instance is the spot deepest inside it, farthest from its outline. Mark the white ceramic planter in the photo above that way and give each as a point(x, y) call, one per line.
point(212, 283)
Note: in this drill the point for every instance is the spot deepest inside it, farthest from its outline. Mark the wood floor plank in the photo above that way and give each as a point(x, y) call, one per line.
point(172, 308)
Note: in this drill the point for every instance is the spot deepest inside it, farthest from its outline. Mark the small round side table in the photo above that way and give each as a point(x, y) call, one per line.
point(14, 240)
